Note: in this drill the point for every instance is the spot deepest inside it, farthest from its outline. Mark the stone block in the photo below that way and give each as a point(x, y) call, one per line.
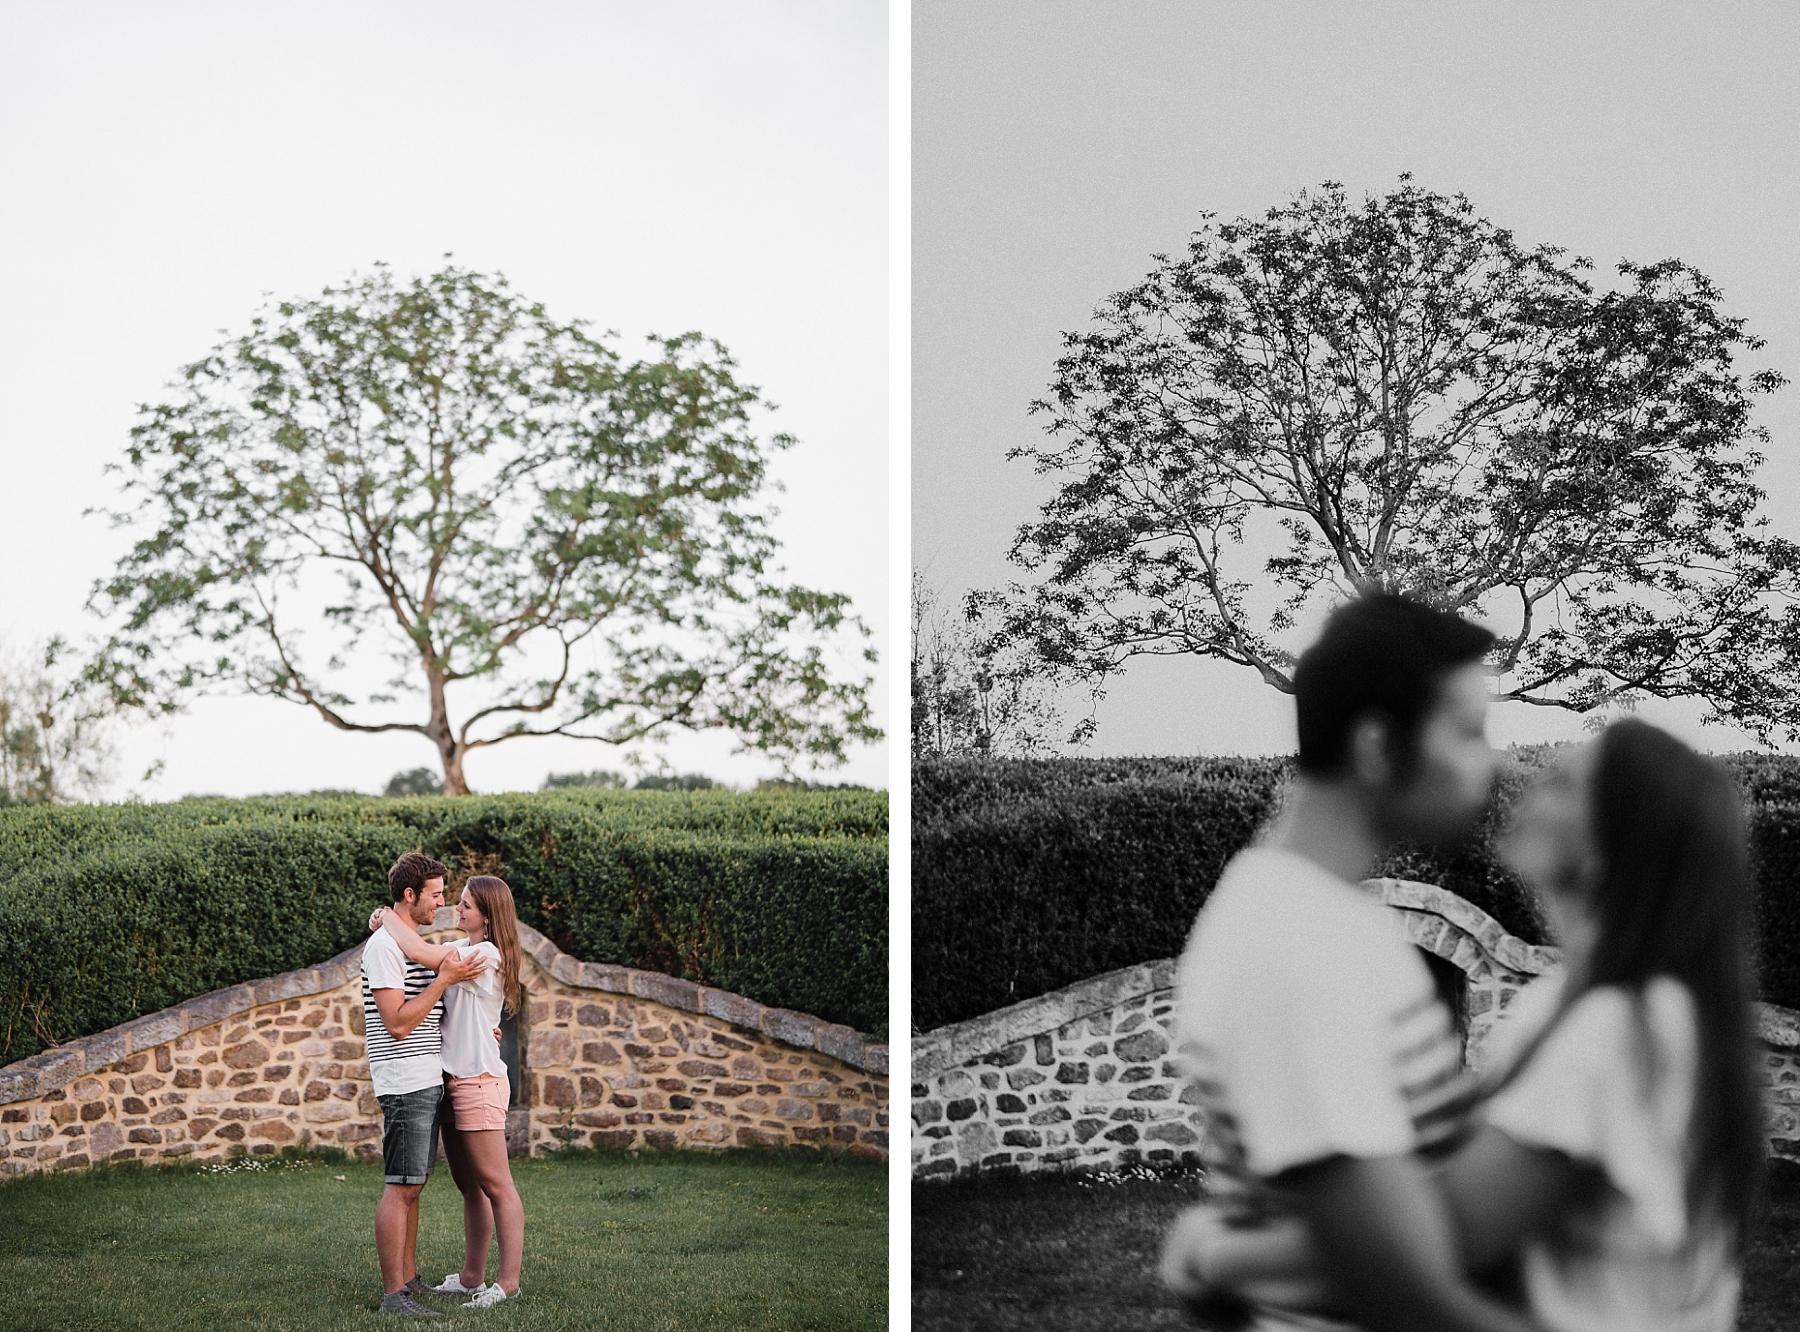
point(666, 990)
point(565, 969)
point(247, 1054)
point(154, 1028)
point(217, 1006)
point(18, 1082)
point(551, 1048)
point(845, 1043)
point(288, 985)
point(603, 1053)
point(605, 976)
point(103, 1048)
point(789, 1027)
point(732, 1008)
point(1142, 1047)
point(56, 1067)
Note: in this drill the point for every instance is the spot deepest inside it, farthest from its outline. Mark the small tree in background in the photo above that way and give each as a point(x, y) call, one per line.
point(974, 694)
point(55, 729)
point(1417, 403)
point(505, 505)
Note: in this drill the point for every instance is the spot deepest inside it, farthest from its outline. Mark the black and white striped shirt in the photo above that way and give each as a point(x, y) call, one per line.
point(1310, 1028)
point(397, 1067)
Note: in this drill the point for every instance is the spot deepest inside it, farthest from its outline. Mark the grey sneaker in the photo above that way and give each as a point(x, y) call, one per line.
point(417, 1286)
point(403, 1305)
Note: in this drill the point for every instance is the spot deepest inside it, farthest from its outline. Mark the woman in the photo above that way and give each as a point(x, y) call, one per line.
point(477, 1087)
point(1620, 1151)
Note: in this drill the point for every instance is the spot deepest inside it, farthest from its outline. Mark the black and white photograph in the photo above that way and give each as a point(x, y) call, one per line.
point(1355, 679)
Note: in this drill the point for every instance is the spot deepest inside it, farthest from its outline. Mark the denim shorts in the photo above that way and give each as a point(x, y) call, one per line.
point(409, 1134)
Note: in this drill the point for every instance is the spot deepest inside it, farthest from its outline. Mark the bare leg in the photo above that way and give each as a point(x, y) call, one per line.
point(396, 1232)
point(478, 1212)
point(487, 1155)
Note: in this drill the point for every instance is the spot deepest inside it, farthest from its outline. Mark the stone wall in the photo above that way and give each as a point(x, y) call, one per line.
point(1082, 1077)
point(612, 1056)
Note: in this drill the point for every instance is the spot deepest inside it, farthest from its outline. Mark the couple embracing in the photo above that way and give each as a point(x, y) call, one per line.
point(1604, 1175)
point(431, 1013)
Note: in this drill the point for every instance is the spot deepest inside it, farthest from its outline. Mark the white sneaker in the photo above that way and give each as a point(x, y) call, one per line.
point(490, 1296)
point(452, 1285)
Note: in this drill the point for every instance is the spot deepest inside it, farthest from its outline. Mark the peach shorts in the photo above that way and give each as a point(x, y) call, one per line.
point(479, 1103)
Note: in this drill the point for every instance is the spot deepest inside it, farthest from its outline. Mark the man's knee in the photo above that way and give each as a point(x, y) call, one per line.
point(405, 1194)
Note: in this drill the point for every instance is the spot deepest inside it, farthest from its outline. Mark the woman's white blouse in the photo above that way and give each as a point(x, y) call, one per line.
point(1613, 1086)
point(471, 1012)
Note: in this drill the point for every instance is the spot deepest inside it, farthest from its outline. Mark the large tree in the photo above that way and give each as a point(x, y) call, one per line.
point(544, 538)
point(1396, 393)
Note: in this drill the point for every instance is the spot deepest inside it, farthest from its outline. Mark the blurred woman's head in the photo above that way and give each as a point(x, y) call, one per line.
point(1639, 849)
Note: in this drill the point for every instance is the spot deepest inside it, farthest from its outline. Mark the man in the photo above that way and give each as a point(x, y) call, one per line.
point(1323, 1057)
point(402, 1013)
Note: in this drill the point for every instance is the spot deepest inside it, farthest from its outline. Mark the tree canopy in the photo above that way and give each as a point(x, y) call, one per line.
point(1403, 396)
point(542, 537)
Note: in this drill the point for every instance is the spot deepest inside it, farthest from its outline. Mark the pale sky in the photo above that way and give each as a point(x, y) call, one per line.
point(1057, 146)
point(714, 166)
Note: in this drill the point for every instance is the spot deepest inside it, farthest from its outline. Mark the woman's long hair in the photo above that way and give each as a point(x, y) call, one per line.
point(494, 900)
point(1673, 900)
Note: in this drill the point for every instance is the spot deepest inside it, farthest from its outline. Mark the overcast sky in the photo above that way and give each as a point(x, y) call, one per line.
point(1058, 145)
point(649, 168)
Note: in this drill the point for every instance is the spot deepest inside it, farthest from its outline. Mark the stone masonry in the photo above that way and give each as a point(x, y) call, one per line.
point(613, 1056)
point(1082, 1077)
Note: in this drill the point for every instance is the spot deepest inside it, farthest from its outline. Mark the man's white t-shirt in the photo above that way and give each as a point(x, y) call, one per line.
point(471, 1012)
point(398, 1067)
point(1311, 1026)
point(1613, 1086)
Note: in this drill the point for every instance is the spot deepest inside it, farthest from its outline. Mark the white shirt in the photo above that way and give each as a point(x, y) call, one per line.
point(398, 1067)
point(471, 1012)
point(1311, 1024)
point(1614, 1088)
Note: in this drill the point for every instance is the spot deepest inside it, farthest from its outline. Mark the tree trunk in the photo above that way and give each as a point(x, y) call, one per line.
point(450, 753)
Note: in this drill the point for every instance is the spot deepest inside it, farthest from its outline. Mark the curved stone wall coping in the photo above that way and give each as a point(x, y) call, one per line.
point(62, 1064)
point(1508, 950)
point(947, 1047)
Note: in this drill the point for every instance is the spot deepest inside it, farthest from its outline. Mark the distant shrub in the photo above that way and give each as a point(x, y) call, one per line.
point(599, 779)
point(415, 781)
point(685, 781)
point(109, 911)
point(1032, 874)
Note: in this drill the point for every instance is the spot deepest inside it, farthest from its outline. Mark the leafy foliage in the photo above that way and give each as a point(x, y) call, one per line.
point(1029, 875)
point(1424, 405)
point(110, 911)
point(505, 504)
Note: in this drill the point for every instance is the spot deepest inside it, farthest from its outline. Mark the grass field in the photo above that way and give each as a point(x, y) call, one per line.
point(684, 1241)
point(1078, 1254)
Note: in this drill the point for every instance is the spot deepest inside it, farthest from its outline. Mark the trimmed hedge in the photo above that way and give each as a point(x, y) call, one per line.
point(111, 911)
point(1032, 874)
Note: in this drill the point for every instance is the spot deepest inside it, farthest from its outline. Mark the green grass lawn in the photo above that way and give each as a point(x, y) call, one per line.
point(1078, 1254)
point(684, 1241)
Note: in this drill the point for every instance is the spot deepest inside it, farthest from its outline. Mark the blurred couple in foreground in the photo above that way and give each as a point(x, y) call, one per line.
point(1602, 1172)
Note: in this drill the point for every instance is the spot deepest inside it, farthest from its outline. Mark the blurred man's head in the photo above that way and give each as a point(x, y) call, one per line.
point(1393, 698)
